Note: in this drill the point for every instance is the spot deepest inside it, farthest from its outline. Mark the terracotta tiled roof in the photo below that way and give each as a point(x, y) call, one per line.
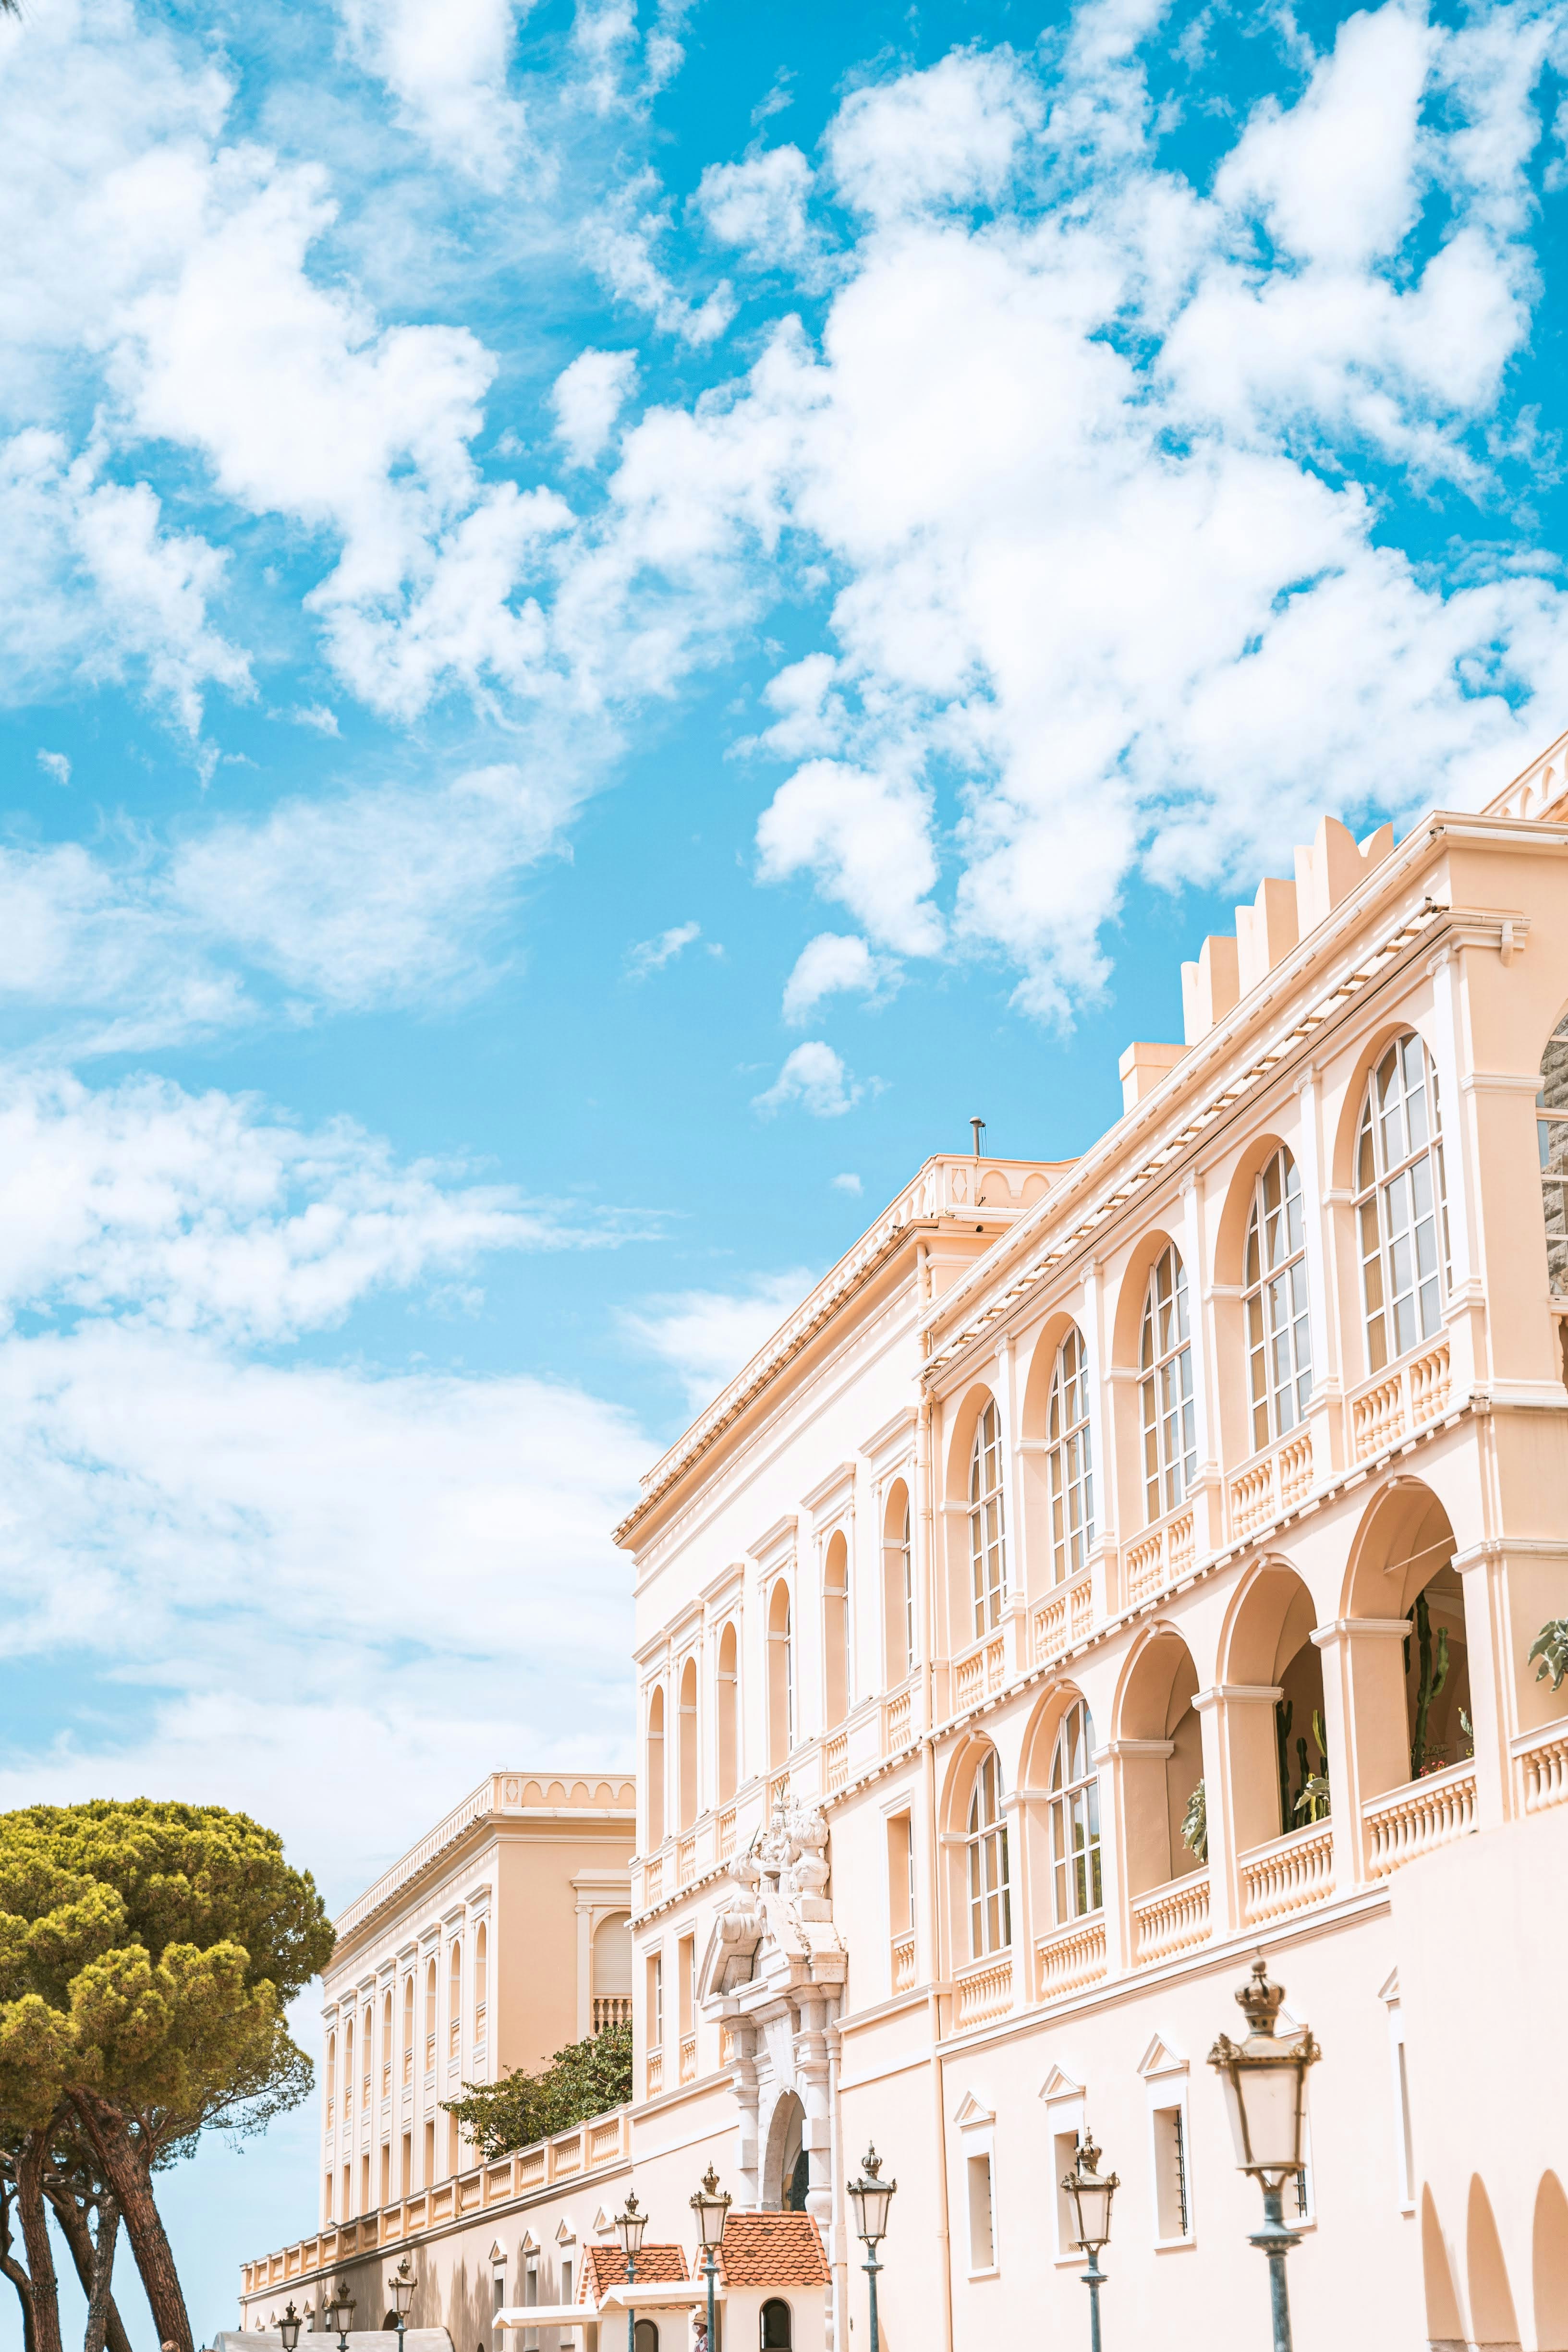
point(605, 2266)
point(771, 2249)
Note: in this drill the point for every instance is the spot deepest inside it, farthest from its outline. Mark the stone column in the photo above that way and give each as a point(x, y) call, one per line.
point(1365, 1724)
point(1237, 1721)
point(812, 2083)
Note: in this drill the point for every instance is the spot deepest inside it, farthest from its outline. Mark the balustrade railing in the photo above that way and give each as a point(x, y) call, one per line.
point(1288, 1873)
point(654, 2073)
point(653, 1880)
point(1266, 1490)
point(1170, 1917)
point(1073, 1955)
point(685, 1862)
point(727, 1834)
point(1418, 1817)
point(837, 1762)
point(981, 1674)
point(1404, 1401)
point(898, 1723)
point(1158, 1558)
point(611, 2008)
point(689, 2057)
point(985, 1992)
point(903, 1963)
point(1541, 1758)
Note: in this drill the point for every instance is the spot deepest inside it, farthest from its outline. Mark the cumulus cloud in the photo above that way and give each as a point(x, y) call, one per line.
point(56, 766)
point(587, 398)
point(704, 1337)
point(832, 964)
point(649, 955)
point(758, 206)
point(815, 1076)
point(449, 73)
point(866, 839)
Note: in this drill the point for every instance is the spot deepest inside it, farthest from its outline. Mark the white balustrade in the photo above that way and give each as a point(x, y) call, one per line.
point(1418, 1817)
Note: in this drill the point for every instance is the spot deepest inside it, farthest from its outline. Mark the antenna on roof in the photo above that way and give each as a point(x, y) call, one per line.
point(979, 1126)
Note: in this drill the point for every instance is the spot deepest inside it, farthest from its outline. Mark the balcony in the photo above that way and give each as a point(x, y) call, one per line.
point(654, 2073)
point(903, 1962)
point(611, 2008)
point(1541, 1760)
point(1288, 1873)
point(685, 1862)
point(983, 1991)
point(1266, 1489)
point(1416, 1819)
point(1171, 1919)
point(981, 1674)
point(836, 1762)
point(1158, 1559)
point(689, 2057)
point(1060, 1622)
point(727, 1834)
point(1398, 1402)
point(1074, 1956)
point(898, 1721)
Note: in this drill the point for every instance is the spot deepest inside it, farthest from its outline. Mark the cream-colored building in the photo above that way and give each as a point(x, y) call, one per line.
point(1229, 1458)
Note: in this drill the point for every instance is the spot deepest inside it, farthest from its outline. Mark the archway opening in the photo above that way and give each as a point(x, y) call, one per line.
point(836, 1631)
point(1492, 2320)
point(1278, 1752)
point(727, 1715)
point(1163, 1776)
point(1548, 2265)
point(1444, 2324)
point(786, 2163)
point(898, 1584)
point(780, 1676)
point(686, 1742)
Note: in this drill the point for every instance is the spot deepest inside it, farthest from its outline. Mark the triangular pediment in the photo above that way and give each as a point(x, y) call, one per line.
point(565, 2235)
point(498, 2251)
point(603, 2223)
point(1160, 2058)
point(530, 2242)
point(970, 2111)
point(1058, 2086)
point(1389, 1989)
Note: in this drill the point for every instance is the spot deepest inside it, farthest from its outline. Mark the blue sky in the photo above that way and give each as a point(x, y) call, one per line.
point(613, 619)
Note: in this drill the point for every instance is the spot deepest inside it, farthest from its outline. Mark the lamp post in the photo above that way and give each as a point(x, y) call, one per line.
point(401, 2285)
point(340, 2311)
point(1264, 2080)
point(288, 2328)
point(1089, 2193)
point(871, 2196)
point(711, 2207)
point(630, 2224)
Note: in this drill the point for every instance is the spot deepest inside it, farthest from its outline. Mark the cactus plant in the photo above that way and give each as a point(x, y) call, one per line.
point(1432, 1675)
point(1312, 1798)
point(1195, 1823)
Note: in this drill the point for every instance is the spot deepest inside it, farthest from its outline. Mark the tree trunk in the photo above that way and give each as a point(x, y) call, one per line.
point(34, 2222)
point(124, 2167)
point(13, 2271)
point(98, 2298)
point(78, 2238)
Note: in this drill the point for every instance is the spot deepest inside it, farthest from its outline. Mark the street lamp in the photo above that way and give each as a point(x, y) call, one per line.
point(288, 2328)
point(629, 2227)
point(1089, 2193)
point(401, 2285)
point(1264, 2080)
point(871, 2196)
point(340, 2311)
point(711, 2207)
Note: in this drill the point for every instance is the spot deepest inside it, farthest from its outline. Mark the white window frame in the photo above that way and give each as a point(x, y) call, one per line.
point(977, 2145)
point(1167, 1390)
point(1399, 2078)
point(1069, 1459)
point(1375, 1197)
point(1166, 2082)
point(988, 1521)
point(1063, 2130)
point(1283, 1275)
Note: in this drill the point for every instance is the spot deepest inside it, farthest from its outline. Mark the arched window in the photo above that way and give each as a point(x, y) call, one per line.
point(482, 1970)
point(836, 1631)
point(1074, 1818)
point(455, 2001)
point(408, 2029)
point(780, 1676)
point(1166, 1363)
point(990, 1895)
point(655, 1768)
point(778, 2333)
point(1552, 1133)
point(1070, 1465)
point(1278, 1332)
point(349, 2067)
point(686, 1745)
point(431, 2026)
point(729, 1714)
point(366, 2029)
point(386, 2045)
point(985, 1530)
point(331, 2087)
point(1401, 1211)
point(899, 1583)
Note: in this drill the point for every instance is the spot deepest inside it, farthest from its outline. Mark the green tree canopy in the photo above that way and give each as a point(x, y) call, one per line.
point(582, 2080)
point(147, 1953)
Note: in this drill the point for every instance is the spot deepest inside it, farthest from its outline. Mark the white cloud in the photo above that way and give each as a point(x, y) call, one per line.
point(56, 766)
point(949, 135)
point(706, 1336)
point(866, 838)
point(587, 398)
point(652, 955)
point(620, 243)
point(315, 715)
point(814, 1078)
point(832, 964)
point(759, 205)
point(448, 68)
point(849, 1183)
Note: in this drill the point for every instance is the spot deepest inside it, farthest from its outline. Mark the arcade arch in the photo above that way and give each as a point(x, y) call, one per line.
point(1160, 1742)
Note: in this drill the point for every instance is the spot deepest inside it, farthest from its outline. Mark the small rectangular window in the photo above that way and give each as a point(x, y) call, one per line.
point(1064, 2144)
point(499, 2288)
point(328, 2197)
point(429, 2155)
point(1172, 2194)
point(982, 2218)
point(656, 2001)
point(685, 1974)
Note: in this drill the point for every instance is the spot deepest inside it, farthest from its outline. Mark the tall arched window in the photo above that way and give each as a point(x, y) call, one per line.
point(686, 1745)
point(1070, 1463)
point(331, 2083)
point(455, 2001)
point(1074, 1818)
point(366, 2031)
point(431, 2022)
point(1166, 1363)
point(349, 2068)
point(780, 1676)
point(482, 1972)
point(1278, 1332)
point(729, 1714)
point(655, 1768)
point(386, 2045)
point(836, 1631)
point(990, 1895)
point(1401, 1211)
point(1552, 1133)
point(899, 1583)
point(408, 2029)
point(985, 1529)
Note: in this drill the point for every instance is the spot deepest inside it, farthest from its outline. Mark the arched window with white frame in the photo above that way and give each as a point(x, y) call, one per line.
point(1075, 1819)
point(1279, 1325)
point(1166, 1387)
point(781, 1675)
point(1069, 1463)
point(1401, 1205)
point(987, 1555)
point(990, 1891)
point(1552, 1137)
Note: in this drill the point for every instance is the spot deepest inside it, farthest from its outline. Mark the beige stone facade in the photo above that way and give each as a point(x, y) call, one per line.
point(1229, 1460)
